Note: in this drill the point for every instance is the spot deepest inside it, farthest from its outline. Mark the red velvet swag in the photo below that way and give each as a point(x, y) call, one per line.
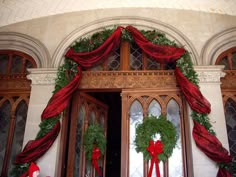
point(192, 94)
point(87, 59)
point(212, 147)
point(60, 100)
point(162, 54)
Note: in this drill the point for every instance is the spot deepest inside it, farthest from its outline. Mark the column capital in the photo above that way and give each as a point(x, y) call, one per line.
point(42, 76)
point(210, 74)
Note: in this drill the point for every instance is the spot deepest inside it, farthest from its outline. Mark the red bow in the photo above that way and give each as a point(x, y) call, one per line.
point(154, 149)
point(96, 154)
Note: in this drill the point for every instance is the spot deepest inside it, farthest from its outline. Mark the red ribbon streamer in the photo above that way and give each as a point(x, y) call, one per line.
point(154, 150)
point(96, 154)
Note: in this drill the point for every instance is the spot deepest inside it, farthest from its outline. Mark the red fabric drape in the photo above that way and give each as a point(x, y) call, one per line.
point(87, 59)
point(162, 54)
point(59, 100)
point(192, 94)
point(211, 146)
point(222, 172)
point(36, 148)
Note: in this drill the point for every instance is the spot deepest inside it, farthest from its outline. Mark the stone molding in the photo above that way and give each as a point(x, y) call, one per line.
point(210, 74)
point(127, 79)
point(171, 32)
point(217, 45)
point(25, 44)
point(42, 76)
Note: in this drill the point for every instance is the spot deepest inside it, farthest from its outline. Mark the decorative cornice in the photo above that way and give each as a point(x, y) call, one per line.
point(128, 79)
point(209, 74)
point(44, 76)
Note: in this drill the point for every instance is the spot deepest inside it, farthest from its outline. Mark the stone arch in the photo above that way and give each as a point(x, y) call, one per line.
point(25, 44)
point(139, 22)
point(217, 44)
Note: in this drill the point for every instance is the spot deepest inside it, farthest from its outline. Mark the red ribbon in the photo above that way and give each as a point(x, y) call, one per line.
point(96, 154)
point(154, 149)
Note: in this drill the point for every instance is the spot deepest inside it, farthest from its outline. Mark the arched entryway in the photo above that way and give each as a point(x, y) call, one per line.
point(132, 74)
point(145, 88)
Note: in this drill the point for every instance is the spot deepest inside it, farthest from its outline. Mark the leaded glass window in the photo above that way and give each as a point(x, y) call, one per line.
point(5, 115)
point(175, 169)
point(228, 59)
point(14, 98)
point(230, 116)
point(130, 57)
point(136, 62)
point(78, 144)
point(136, 159)
point(155, 105)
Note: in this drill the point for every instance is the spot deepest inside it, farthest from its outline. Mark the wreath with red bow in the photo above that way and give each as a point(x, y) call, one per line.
point(95, 144)
point(146, 131)
point(158, 150)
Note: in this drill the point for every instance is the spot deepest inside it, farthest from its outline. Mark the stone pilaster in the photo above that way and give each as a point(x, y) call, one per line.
point(209, 77)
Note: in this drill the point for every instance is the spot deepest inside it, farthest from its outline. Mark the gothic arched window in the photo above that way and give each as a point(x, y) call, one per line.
point(228, 59)
point(14, 99)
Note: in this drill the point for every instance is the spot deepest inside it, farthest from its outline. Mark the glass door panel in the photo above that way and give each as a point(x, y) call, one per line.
point(136, 106)
point(136, 159)
point(86, 110)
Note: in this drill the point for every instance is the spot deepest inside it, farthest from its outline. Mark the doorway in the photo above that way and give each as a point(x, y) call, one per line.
point(88, 108)
point(113, 150)
point(123, 92)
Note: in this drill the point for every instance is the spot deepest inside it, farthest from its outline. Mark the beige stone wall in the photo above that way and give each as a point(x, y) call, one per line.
point(197, 27)
point(190, 29)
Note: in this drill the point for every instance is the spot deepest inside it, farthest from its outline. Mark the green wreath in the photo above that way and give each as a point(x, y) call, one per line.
point(147, 130)
point(94, 135)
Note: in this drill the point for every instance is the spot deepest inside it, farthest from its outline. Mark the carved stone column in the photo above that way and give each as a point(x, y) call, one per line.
point(42, 85)
point(209, 77)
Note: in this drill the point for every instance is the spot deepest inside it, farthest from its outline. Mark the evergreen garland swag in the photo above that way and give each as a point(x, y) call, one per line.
point(86, 44)
point(147, 130)
point(94, 135)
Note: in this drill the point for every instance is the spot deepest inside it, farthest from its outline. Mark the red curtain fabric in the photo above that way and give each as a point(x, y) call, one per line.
point(222, 172)
point(36, 148)
point(60, 100)
point(163, 54)
point(212, 147)
point(192, 94)
point(87, 59)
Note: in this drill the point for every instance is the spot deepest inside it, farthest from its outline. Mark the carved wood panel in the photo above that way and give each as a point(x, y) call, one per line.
point(84, 109)
point(128, 79)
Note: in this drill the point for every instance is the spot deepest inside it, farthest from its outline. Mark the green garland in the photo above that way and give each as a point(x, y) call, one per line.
point(147, 130)
point(65, 74)
point(87, 44)
point(184, 63)
point(94, 135)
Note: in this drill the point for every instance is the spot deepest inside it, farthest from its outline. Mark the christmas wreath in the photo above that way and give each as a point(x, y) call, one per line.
point(95, 144)
point(146, 131)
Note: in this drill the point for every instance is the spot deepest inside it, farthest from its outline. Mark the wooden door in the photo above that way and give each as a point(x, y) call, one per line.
point(86, 110)
point(136, 105)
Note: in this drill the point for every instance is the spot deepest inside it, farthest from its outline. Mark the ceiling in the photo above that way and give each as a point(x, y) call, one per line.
point(13, 11)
